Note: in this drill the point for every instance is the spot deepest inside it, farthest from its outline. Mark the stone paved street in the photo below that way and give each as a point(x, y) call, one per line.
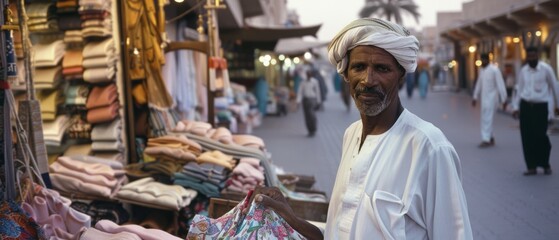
point(503, 204)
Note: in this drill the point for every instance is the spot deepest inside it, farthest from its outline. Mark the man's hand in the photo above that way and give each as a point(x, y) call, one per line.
point(474, 102)
point(557, 111)
point(505, 106)
point(272, 197)
point(515, 114)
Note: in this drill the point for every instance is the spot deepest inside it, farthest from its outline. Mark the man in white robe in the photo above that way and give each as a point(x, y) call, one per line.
point(399, 177)
point(490, 86)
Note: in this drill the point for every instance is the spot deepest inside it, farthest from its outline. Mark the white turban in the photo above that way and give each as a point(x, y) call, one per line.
point(391, 37)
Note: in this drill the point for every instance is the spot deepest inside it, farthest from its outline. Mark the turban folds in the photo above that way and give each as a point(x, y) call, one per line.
point(375, 32)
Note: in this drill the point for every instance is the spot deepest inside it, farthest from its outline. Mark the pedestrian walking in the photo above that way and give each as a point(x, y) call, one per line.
point(309, 95)
point(399, 176)
point(490, 87)
point(423, 79)
point(410, 84)
point(536, 81)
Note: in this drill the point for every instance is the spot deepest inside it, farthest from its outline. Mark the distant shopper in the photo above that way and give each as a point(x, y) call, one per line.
point(490, 86)
point(410, 83)
point(309, 95)
point(399, 176)
point(423, 80)
point(536, 82)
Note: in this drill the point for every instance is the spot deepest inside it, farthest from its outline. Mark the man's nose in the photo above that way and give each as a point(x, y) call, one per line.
point(370, 77)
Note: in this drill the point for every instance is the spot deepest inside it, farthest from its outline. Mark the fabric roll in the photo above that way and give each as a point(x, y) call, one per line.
point(97, 159)
point(49, 100)
point(107, 132)
point(72, 58)
point(47, 78)
point(99, 62)
point(77, 95)
point(103, 114)
point(99, 49)
point(102, 96)
point(99, 75)
point(48, 55)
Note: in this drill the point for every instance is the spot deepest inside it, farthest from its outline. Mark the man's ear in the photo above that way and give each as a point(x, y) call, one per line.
point(344, 76)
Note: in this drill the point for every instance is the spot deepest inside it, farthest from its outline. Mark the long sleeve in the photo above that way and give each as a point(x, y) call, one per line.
point(445, 217)
point(477, 89)
point(317, 91)
point(519, 88)
point(300, 91)
point(501, 86)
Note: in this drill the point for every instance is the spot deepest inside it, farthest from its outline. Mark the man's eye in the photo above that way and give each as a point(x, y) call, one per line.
point(358, 67)
point(383, 68)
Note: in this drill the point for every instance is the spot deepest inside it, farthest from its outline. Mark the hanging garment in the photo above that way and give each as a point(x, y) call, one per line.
point(258, 223)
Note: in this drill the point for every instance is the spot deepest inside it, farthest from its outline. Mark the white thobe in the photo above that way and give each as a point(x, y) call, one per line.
point(491, 87)
point(402, 184)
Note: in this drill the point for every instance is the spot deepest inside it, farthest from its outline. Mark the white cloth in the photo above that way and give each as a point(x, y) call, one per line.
point(490, 86)
point(376, 32)
point(309, 89)
point(403, 184)
point(536, 85)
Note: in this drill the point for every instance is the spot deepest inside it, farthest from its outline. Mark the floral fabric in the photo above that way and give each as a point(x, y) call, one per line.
point(258, 223)
point(16, 224)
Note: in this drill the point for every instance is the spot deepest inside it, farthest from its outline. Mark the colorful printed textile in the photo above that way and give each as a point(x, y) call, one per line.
point(16, 224)
point(258, 223)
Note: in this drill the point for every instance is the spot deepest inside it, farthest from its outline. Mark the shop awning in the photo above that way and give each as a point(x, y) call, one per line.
point(261, 34)
point(293, 46)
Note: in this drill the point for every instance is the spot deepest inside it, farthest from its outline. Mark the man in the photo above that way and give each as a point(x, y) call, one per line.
point(491, 87)
point(536, 81)
point(309, 94)
point(399, 176)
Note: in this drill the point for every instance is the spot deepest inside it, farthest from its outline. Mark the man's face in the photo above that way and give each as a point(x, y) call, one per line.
point(532, 58)
point(374, 76)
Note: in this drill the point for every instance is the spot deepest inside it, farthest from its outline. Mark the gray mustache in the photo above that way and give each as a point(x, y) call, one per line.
point(370, 90)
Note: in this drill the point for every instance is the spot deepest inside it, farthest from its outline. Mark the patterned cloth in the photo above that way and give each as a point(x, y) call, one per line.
point(258, 223)
point(16, 224)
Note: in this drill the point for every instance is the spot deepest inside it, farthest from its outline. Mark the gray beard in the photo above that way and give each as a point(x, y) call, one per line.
point(374, 109)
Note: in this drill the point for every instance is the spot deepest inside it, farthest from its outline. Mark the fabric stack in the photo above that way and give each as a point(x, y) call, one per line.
point(109, 230)
point(73, 37)
point(46, 59)
point(206, 178)
point(72, 68)
point(148, 192)
point(94, 179)
point(173, 148)
point(102, 104)
point(99, 60)
point(49, 101)
point(106, 137)
point(76, 97)
point(53, 131)
point(68, 16)
point(42, 17)
point(207, 174)
point(246, 176)
point(96, 18)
